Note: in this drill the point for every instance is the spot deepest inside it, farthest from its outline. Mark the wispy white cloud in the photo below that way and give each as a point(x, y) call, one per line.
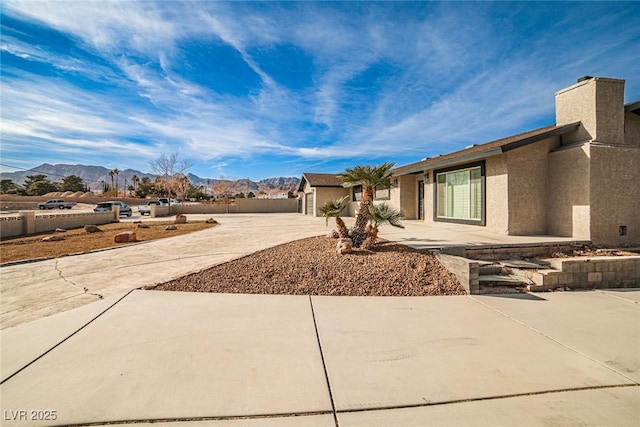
point(384, 79)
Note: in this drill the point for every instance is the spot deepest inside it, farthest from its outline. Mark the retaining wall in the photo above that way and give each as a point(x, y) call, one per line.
point(466, 270)
point(589, 273)
point(26, 223)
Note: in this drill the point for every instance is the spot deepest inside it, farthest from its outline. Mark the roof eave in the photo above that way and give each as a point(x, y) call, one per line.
point(434, 163)
point(633, 107)
point(437, 164)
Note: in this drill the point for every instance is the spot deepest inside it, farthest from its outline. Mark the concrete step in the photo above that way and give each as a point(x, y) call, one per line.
point(503, 280)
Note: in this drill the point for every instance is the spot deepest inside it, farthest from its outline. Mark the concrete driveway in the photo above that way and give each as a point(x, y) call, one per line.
point(129, 356)
point(561, 359)
point(34, 290)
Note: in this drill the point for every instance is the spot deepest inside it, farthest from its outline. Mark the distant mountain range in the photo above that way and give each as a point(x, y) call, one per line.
point(94, 176)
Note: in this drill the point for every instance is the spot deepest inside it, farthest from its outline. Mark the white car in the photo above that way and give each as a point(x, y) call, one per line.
point(146, 209)
point(108, 207)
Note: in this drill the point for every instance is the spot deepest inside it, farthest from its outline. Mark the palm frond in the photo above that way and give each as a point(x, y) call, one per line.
point(333, 208)
point(383, 213)
point(367, 175)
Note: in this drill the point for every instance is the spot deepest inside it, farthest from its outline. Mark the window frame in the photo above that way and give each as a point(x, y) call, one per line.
point(483, 193)
point(356, 193)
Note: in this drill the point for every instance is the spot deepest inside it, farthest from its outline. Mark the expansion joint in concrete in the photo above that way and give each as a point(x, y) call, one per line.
point(64, 340)
point(324, 365)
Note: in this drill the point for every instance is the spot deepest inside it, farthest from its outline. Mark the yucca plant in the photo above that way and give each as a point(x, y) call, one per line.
point(333, 209)
point(369, 177)
point(380, 214)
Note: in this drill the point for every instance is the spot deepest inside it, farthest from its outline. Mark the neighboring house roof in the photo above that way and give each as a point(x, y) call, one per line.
point(633, 107)
point(319, 180)
point(478, 152)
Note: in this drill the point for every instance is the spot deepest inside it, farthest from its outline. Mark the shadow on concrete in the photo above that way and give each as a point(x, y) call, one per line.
point(529, 297)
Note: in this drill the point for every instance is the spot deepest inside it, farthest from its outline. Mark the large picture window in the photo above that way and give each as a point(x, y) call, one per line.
point(460, 195)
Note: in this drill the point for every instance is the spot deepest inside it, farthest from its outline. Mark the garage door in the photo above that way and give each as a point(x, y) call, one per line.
point(308, 197)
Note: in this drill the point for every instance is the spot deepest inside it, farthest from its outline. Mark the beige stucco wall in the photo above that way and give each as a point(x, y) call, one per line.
point(615, 194)
point(405, 196)
point(325, 194)
point(528, 192)
point(581, 102)
point(568, 195)
point(632, 129)
point(497, 201)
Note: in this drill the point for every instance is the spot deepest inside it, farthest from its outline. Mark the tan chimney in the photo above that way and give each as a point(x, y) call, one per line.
point(596, 102)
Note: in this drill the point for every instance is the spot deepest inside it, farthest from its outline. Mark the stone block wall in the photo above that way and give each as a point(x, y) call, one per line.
point(466, 270)
point(590, 273)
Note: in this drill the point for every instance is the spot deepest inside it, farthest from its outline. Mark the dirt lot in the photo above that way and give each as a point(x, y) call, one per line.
point(312, 267)
point(78, 241)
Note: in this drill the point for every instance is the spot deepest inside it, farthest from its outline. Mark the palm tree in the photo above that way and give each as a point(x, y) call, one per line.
point(111, 174)
point(333, 208)
point(116, 172)
point(135, 180)
point(380, 214)
point(369, 177)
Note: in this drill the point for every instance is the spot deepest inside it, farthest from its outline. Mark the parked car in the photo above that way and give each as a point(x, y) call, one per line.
point(146, 209)
point(164, 201)
point(108, 207)
point(56, 203)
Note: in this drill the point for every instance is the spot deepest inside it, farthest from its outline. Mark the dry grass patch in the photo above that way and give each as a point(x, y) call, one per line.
point(78, 241)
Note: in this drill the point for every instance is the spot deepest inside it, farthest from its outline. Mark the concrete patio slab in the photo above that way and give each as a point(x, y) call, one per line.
point(420, 235)
point(605, 328)
point(166, 355)
point(24, 343)
point(385, 352)
point(603, 407)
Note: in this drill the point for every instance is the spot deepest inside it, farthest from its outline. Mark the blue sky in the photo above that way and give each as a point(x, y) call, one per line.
point(262, 89)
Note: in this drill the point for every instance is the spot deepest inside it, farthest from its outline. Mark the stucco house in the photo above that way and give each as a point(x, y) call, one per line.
point(318, 188)
point(578, 178)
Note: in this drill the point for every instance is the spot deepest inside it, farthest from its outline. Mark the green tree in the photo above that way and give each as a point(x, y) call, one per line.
point(39, 185)
point(333, 209)
point(145, 187)
point(72, 183)
point(369, 177)
point(7, 186)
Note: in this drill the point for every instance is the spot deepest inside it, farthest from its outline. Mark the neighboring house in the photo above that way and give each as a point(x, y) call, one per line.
point(317, 189)
point(578, 178)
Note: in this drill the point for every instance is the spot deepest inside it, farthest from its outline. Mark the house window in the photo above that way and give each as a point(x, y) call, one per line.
point(460, 195)
point(357, 193)
point(382, 193)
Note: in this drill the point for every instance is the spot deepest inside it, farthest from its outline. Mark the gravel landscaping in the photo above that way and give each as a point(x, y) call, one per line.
point(312, 267)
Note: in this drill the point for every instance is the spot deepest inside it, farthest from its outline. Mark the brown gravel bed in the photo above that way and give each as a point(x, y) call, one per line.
point(312, 267)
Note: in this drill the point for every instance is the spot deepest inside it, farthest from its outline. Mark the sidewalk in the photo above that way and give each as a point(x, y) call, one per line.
point(221, 360)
